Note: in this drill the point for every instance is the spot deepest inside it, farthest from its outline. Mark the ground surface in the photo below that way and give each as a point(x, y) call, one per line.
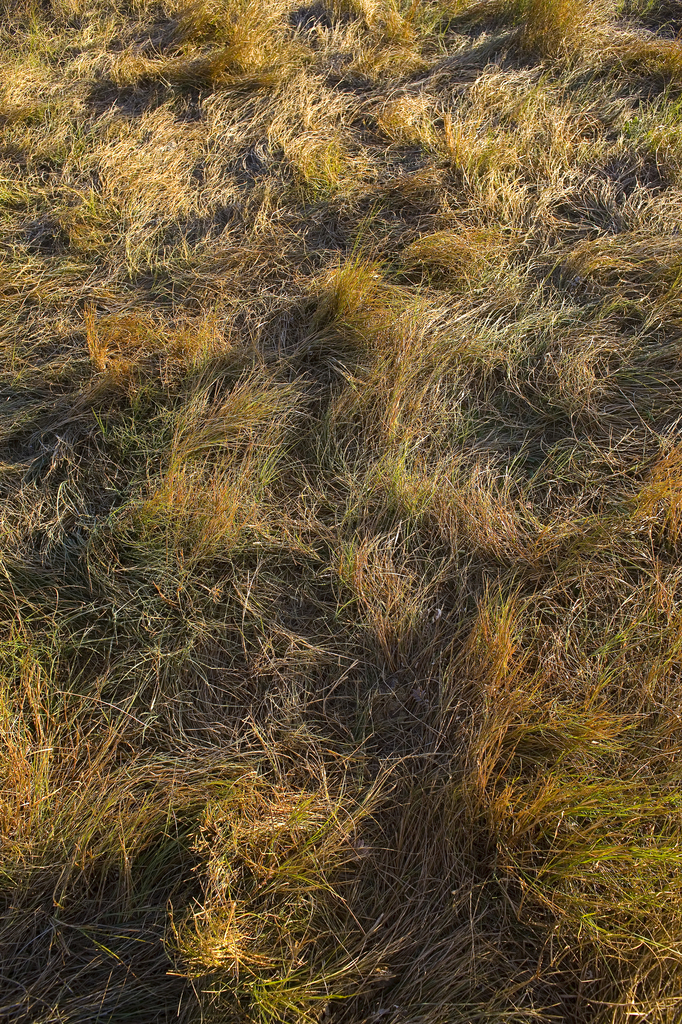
point(341, 469)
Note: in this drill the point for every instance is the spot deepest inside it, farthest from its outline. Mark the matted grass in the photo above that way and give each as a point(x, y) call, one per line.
point(340, 579)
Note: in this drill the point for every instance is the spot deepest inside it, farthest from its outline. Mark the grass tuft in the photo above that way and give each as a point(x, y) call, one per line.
point(551, 27)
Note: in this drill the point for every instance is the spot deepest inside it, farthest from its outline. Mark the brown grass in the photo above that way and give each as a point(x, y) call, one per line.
point(341, 648)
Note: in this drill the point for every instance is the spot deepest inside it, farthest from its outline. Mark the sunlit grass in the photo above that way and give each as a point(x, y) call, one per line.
point(341, 648)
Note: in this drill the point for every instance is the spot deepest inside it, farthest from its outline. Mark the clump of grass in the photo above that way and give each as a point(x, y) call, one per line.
point(358, 307)
point(318, 164)
point(270, 860)
point(218, 44)
point(408, 120)
point(390, 37)
point(213, 493)
point(658, 502)
point(457, 256)
point(200, 513)
point(657, 130)
point(131, 349)
point(392, 600)
point(659, 58)
point(552, 27)
point(83, 826)
point(393, 21)
point(232, 23)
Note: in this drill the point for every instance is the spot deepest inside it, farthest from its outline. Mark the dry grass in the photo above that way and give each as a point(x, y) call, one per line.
point(340, 588)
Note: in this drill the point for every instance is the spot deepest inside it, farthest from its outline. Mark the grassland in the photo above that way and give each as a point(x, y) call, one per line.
point(341, 520)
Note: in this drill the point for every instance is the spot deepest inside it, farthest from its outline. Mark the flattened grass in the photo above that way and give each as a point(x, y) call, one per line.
point(341, 512)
